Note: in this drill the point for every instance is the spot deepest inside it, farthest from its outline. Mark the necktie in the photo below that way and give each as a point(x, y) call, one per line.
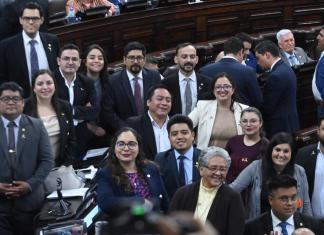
point(283, 226)
point(188, 97)
point(182, 170)
point(33, 58)
point(137, 96)
point(292, 60)
point(12, 142)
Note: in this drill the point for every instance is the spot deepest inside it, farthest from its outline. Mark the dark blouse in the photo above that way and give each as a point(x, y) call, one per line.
point(139, 185)
point(242, 155)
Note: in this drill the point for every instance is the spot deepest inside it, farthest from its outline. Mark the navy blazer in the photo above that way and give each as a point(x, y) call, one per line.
point(67, 149)
point(263, 224)
point(172, 83)
point(110, 194)
point(118, 103)
point(169, 169)
point(244, 77)
point(307, 157)
point(84, 93)
point(143, 125)
point(279, 100)
point(13, 64)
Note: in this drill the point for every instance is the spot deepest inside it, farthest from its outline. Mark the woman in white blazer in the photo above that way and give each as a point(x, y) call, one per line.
point(219, 119)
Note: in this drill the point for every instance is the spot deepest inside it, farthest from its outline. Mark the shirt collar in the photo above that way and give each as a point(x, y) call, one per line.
point(288, 55)
point(182, 77)
point(27, 39)
point(230, 57)
point(274, 63)
point(276, 221)
point(154, 123)
point(65, 80)
point(188, 154)
point(131, 76)
point(6, 121)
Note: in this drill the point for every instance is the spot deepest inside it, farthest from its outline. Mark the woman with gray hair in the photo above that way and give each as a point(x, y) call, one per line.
point(211, 199)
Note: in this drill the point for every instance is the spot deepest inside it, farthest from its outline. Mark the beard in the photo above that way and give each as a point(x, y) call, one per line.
point(135, 68)
point(186, 65)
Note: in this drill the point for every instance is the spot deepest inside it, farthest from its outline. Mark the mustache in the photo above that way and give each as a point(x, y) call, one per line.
point(188, 64)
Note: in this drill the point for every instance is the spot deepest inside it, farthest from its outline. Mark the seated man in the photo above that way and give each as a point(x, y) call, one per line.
point(210, 199)
point(179, 165)
point(290, 54)
point(283, 217)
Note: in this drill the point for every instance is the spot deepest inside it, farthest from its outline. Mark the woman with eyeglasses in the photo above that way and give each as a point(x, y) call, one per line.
point(218, 119)
point(279, 159)
point(56, 115)
point(248, 147)
point(128, 176)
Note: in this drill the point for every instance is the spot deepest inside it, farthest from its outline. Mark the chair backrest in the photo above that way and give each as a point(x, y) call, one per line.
point(55, 6)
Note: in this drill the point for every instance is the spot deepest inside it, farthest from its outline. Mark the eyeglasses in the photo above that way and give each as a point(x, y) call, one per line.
point(251, 121)
point(133, 58)
point(131, 145)
point(74, 59)
point(33, 18)
point(14, 99)
point(285, 199)
point(214, 169)
point(224, 87)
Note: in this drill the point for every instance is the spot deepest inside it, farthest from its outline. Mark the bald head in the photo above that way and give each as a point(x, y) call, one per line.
point(303, 231)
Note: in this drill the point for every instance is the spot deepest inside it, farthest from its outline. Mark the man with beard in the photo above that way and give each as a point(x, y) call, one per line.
point(127, 90)
point(186, 86)
point(311, 157)
point(245, 79)
point(283, 217)
point(318, 77)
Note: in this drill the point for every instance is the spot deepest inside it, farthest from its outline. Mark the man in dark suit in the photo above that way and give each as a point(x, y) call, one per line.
point(181, 137)
point(311, 158)
point(245, 79)
point(26, 160)
point(289, 53)
point(186, 86)
point(127, 89)
point(79, 91)
point(283, 218)
point(152, 125)
point(279, 93)
point(25, 53)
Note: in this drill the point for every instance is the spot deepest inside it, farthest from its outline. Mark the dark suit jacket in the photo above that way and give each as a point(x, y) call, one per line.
point(279, 106)
point(84, 92)
point(244, 77)
point(13, 64)
point(169, 169)
point(110, 195)
point(263, 224)
point(306, 157)
point(118, 103)
point(172, 83)
point(226, 213)
point(34, 162)
point(142, 124)
point(67, 149)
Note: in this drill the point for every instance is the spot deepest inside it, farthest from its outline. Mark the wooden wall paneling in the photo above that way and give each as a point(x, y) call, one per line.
point(308, 15)
point(266, 20)
point(220, 26)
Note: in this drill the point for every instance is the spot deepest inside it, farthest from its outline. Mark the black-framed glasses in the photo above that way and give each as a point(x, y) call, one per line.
point(214, 169)
point(131, 145)
point(31, 18)
point(286, 199)
point(133, 58)
point(14, 99)
point(224, 87)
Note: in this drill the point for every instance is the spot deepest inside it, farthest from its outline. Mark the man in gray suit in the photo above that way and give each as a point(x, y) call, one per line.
point(26, 159)
point(289, 53)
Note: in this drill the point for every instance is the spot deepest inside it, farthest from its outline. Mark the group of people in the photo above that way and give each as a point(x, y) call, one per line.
point(207, 142)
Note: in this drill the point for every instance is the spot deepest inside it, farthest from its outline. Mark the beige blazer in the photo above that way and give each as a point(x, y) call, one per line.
point(204, 115)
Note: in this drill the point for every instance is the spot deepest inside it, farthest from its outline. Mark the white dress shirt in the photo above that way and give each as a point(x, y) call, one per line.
point(275, 224)
point(16, 128)
point(193, 88)
point(318, 192)
point(187, 161)
point(140, 81)
point(161, 135)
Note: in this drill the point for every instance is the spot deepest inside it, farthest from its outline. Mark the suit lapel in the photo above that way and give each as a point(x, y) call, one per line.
point(128, 90)
point(298, 221)
point(173, 166)
point(3, 142)
point(48, 50)
point(23, 132)
point(20, 50)
point(148, 131)
point(195, 171)
point(267, 223)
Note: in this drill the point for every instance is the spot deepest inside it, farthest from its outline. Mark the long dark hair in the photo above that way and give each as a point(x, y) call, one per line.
point(33, 98)
point(268, 170)
point(117, 171)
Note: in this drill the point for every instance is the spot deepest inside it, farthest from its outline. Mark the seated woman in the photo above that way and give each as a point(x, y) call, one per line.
point(95, 68)
point(79, 6)
point(56, 115)
point(278, 159)
point(248, 147)
point(128, 176)
point(218, 120)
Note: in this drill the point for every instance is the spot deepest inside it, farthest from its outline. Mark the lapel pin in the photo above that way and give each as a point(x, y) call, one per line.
point(49, 46)
point(148, 176)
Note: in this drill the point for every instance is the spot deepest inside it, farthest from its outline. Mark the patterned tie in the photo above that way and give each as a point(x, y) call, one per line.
point(182, 177)
point(137, 96)
point(12, 142)
point(283, 226)
point(188, 97)
point(33, 58)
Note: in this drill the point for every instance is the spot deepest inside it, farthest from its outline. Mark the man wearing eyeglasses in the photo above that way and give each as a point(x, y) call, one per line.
point(26, 159)
point(127, 90)
point(283, 217)
point(25, 53)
